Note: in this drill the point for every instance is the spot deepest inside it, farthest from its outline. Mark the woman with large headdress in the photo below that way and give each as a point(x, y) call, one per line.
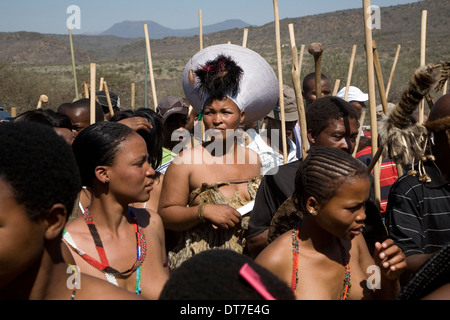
point(205, 186)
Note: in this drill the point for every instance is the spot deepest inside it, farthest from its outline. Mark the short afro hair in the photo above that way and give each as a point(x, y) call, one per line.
point(39, 165)
point(323, 110)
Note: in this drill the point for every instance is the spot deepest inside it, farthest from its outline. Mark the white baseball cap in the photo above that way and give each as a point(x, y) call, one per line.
point(354, 94)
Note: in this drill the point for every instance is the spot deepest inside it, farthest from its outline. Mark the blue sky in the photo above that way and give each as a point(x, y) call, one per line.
point(50, 16)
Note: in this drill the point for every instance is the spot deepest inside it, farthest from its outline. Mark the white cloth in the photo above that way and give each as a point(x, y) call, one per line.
point(269, 157)
point(258, 89)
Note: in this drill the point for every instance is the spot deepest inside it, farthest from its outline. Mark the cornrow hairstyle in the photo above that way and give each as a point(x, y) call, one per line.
point(323, 110)
point(322, 172)
point(40, 167)
point(432, 275)
point(98, 145)
point(215, 275)
point(219, 78)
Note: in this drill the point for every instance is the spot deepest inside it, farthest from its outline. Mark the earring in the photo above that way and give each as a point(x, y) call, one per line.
point(107, 182)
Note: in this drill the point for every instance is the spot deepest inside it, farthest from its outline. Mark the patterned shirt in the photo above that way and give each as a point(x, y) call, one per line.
point(270, 158)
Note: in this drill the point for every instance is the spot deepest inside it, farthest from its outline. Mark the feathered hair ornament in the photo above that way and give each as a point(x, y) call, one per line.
point(219, 78)
point(403, 139)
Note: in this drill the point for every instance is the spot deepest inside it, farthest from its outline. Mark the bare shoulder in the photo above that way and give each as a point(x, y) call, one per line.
point(147, 218)
point(278, 254)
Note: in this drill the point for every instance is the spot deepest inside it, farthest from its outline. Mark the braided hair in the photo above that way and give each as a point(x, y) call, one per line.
point(322, 172)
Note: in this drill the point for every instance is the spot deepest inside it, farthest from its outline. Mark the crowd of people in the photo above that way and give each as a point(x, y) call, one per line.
point(181, 203)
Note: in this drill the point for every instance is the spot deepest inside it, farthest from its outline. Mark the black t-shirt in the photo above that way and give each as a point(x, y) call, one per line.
point(276, 186)
point(418, 213)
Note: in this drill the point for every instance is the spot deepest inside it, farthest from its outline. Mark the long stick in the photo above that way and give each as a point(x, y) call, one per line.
point(133, 95)
point(100, 86)
point(85, 90)
point(423, 40)
point(244, 40)
point(358, 137)
point(108, 99)
point(92, 95)
point(150, 66)
point(298, 94)
point(42, 99)
point(372, 100)
point(77, 97)
point(280, 79)
point(379, 75)
point(391, 76)
point(200, 27)
point(350, 72)
point(300, 59)
point(336, 86)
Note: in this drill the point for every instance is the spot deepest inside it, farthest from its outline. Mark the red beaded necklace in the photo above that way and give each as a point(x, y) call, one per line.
point(103, 264)
point(295, 251)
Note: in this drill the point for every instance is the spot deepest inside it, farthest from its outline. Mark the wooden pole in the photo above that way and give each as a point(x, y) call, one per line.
point(379, 76)
point(280, 79)
point(150, 66)
point(42, 99)
point(358, 137)
point(85, 90)
point(423, 40)
point(350, 72)
point(316, 50)
point(300, 60)
point(298, 94)
point(336, 86)
point(73, 65)
point(391, 76)
point(100, 87)
point(108, 99)
point(372, 100)
point(92, 95)
point(200, 27)
point(133, 95)
point(244, 40)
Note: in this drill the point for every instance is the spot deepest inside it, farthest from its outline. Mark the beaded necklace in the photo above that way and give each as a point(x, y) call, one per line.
point(295, 251)
point(103, 264)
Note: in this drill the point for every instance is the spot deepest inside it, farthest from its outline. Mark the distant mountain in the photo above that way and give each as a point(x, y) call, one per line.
point(134, 29)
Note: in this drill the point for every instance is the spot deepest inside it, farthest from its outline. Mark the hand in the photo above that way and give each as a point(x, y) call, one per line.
point(222, 215)
point(390, 259)
point(137, 123)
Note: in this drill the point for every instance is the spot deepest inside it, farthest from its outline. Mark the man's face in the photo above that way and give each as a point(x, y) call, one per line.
point(310, 94)
point(340, 133)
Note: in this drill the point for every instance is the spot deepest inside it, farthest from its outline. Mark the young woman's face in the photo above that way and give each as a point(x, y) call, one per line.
point(21, 239)
point(344, 214)
point(131, 176)
point(222, 115)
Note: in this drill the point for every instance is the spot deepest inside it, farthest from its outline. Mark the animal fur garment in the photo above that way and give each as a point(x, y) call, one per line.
point(401, 138)
point(445, 75)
